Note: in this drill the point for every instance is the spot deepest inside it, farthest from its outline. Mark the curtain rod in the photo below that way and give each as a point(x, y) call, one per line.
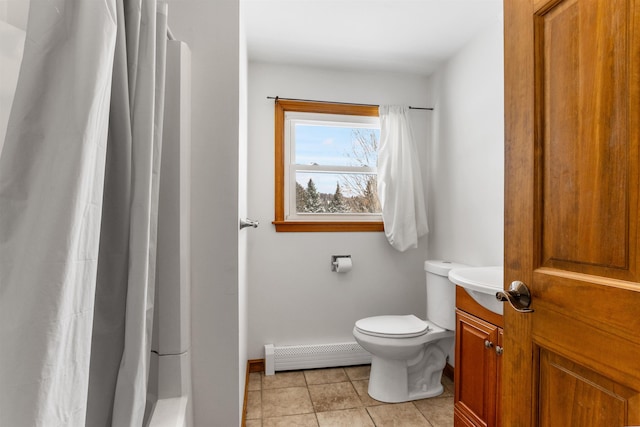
point(344, 103)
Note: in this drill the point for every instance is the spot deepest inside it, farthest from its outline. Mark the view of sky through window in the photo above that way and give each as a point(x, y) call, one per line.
point(329, 146)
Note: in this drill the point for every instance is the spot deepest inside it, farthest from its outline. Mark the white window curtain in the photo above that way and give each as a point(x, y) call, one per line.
point(399, 180)
point(78, 214)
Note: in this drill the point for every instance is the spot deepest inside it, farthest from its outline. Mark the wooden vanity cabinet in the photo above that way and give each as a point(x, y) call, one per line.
point(477, 364)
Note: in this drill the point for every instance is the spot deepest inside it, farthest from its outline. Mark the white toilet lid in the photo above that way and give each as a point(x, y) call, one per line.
point(393, 326)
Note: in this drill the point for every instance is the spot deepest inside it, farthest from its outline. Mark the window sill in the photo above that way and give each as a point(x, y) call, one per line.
point(327, 226)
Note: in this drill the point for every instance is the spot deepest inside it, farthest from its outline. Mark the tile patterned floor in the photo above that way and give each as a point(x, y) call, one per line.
point(337, 397)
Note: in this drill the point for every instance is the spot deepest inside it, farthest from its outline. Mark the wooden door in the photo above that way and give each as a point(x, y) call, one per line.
point(572, 112)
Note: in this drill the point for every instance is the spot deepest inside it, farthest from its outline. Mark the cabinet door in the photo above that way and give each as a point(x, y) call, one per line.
point(499, 352)
point(476, 369)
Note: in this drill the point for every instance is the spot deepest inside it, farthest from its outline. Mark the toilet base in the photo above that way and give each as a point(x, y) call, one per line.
point(394, 381)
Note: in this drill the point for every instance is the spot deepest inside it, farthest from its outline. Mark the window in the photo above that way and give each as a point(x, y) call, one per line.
point(326, 157)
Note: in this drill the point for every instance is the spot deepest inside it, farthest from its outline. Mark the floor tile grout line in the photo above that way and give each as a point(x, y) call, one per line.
point(327, 381)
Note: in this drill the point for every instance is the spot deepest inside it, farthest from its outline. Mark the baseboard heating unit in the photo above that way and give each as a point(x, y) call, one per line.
point(292, 357)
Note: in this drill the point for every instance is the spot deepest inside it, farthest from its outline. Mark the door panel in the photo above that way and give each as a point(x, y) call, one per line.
point(572, 114)
point(571, 395)
point(583, 104)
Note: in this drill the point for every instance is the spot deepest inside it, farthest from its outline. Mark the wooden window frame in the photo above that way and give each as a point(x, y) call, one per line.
point(281, 108)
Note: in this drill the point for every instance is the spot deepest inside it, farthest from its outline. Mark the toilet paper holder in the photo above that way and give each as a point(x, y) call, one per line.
point(334, 261)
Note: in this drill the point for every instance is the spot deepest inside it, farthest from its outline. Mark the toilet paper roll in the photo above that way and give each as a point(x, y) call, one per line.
point(343, 265)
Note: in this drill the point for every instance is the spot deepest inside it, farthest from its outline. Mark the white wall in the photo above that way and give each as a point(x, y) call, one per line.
point(13, 15)
point(11, 50)
point(294, 298)
point(467, 153)
point(211, 28)
point(15, 12)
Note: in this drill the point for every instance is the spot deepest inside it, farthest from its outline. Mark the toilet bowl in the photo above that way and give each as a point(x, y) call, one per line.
point(408, 353)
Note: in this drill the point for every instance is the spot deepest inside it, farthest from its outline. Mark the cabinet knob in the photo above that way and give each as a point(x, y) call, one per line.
point(488, 344)
point(499, 350)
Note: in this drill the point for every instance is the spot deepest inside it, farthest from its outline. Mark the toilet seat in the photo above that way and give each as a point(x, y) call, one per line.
point(408, 326)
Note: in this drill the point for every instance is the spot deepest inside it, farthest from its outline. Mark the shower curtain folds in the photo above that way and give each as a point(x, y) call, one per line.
point(79, 177)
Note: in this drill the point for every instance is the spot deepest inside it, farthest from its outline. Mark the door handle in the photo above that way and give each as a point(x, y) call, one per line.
point(244, 223)
point(518, 297)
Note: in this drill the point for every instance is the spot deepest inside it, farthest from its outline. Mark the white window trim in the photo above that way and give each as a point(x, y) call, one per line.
point(337, 120)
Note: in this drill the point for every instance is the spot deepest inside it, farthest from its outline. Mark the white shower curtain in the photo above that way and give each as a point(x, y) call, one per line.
point(78, 208)
point(400, 188)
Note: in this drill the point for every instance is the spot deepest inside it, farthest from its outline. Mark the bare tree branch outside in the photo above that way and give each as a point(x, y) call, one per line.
point(355, 192)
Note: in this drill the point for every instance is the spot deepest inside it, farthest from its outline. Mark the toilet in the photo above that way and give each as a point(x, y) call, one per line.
point(408, 353)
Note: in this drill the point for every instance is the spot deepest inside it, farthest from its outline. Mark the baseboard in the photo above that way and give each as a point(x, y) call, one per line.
point(253, 365)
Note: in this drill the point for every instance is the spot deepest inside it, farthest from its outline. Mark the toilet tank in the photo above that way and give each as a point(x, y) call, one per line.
point(441, 293)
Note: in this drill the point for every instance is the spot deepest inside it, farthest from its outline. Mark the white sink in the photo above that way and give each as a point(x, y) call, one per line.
point(481, 283)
